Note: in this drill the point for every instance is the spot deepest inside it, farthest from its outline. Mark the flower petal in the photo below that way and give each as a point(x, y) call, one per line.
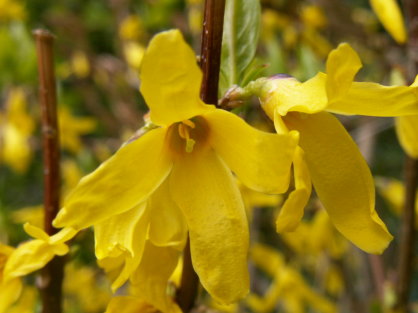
point(390, 16)
point(31, 256)
point(129, 304)
point(119, 184)
point(128, 243)
point(9, 293)
point(292, 210)
point(260, 160)
point(407, 131)
point(203, 187)
point(170, 79)
point(117, 233)
point(343, 64)
point(286, 94)
point(377, 100)
point(341, 179)
point(150, 280)
point(167, 223)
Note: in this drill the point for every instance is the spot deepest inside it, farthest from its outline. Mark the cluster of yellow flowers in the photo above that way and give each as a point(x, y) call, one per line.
point(189, 174)
point(175, 180)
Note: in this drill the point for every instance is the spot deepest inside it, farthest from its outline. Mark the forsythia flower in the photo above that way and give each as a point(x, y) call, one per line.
point(326, 152)
point(177, 177)
point(27, 258)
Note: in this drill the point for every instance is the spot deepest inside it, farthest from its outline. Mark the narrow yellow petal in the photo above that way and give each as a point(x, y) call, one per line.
point(341, 179)
point(35, 232)
point(286, 94)
point(377, 100)
point(292, 210)
point(120, 183)
point(260, 160)
point(343, 64)
point(167, 223)
point(203, 187)
point(118, 231)
point(9, 293)
point(31, 256)
point(390, 15)
point(115, 242)
point(407, 131)
point(150, 280)
point(170, 79)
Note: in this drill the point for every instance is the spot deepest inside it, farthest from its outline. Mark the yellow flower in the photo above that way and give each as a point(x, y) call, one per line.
point(393, 191)
point(11, 10)
point(288, 286)
point(16, 128)
point(34, 254)
point(93, 297)
point(390, 15)
point(183, 168)
point(72, 128)
point(326, 152)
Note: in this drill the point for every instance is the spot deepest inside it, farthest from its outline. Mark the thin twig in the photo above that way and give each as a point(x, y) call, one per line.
point(408, 237)
point(210, 64)
point(50, 283)
point(211, 49)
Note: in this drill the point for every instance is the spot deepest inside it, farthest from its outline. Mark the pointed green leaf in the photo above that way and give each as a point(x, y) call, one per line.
point(240, 39)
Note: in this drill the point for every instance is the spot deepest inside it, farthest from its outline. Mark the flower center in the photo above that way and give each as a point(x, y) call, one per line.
point(188, 135)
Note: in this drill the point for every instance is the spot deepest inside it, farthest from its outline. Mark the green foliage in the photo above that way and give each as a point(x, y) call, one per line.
point(240, 39)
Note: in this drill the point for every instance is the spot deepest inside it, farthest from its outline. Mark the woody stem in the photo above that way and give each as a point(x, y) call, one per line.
point(408, 236)
point(210, 65)
point(50, 282)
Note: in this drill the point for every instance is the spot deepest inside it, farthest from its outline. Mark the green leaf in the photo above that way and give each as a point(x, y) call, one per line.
point(239, 42)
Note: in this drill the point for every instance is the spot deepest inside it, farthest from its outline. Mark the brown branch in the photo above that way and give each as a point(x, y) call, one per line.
point(210, 61)
point(50, 283)
point(407, 241)
point(210, 64)
point(408, 236)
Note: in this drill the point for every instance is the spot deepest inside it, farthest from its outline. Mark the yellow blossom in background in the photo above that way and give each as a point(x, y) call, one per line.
point(131, 28)
point(16, 129)
point(72, 128)
point(391, 17)
point(11, 10)
point(288, 287)
point(182, 170)
point(311, 238)
point(393, 191)
point(134, 52)
point(80, 64)
point(93, 296)
point(33, 215)
point(313, 16)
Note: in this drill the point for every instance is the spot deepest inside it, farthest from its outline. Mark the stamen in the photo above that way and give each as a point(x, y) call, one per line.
point(184, 132)
point(189, 123)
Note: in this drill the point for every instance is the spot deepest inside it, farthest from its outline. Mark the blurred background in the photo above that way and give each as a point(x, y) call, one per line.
point(99, 45)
